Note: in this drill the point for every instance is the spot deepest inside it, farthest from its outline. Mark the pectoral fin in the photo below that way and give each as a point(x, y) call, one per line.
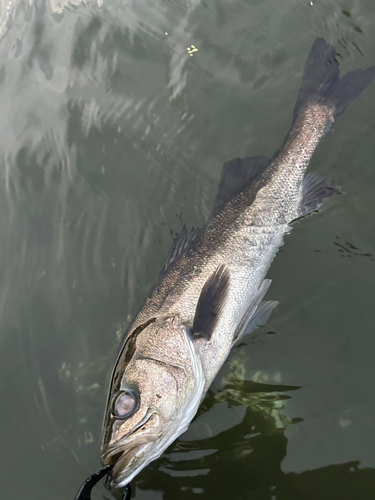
point(211, 303)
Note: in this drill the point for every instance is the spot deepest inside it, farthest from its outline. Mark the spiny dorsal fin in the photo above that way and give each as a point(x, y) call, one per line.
point(237, 175)
point(211, 303)
point(315, 191)
point(182, 244)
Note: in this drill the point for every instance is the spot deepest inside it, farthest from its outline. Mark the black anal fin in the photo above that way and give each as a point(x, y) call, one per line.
point(211, 303)
point(315, 191)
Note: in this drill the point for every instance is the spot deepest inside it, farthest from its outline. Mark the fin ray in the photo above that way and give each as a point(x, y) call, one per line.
point(315, 192)
point(181, 245)
point(260, 316)
point(321, 81)
point(211, 302)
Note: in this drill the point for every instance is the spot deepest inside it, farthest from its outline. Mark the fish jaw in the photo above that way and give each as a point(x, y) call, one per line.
point(130, 455)
point(126, 464)
point(129, 459)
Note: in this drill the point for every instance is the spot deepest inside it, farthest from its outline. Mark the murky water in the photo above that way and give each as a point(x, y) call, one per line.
point(116, 118)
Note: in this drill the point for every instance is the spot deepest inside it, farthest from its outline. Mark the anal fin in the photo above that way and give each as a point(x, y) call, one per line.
point(315, 191)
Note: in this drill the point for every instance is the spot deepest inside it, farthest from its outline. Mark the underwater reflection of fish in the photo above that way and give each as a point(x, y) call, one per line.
point(250, 466)
point(210, 291)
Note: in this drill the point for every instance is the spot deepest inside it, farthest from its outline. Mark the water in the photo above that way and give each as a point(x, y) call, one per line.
point(113, 133)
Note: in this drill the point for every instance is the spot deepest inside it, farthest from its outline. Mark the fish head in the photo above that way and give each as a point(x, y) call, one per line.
point(156, 388)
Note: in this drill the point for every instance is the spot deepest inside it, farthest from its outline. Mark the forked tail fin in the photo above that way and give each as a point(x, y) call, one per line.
point(321, 82)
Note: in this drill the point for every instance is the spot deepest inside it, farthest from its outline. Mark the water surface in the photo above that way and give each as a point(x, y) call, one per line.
point(116, 118)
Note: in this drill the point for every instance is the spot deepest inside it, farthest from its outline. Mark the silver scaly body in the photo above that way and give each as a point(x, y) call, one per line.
point(209, 293)
point(245, 237)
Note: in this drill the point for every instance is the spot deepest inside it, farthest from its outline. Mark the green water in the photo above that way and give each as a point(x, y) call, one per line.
point(112, 136)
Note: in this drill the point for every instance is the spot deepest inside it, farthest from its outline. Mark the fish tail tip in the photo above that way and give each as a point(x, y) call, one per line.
point(321, 82)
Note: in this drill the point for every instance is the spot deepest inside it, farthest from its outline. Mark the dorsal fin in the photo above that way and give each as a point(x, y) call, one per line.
point(182, 244)
point(236, 176)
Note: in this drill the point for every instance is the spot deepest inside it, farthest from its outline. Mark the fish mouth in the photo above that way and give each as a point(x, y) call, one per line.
point(124, 461)
point(130, 456)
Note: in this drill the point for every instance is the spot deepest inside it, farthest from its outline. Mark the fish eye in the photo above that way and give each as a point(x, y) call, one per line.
point(124, 404)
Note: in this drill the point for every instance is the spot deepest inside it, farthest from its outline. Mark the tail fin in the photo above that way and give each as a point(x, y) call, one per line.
point(321, 81)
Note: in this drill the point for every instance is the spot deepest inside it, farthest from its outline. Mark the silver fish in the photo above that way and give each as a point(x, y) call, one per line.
point(210, 290)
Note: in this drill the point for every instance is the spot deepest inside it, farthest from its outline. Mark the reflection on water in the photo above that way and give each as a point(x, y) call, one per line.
point(244, 461)
point(113, 133)
point(255, 444)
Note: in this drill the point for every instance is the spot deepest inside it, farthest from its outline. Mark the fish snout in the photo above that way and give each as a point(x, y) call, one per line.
point(129, 455)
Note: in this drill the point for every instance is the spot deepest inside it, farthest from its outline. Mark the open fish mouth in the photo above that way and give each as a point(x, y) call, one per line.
point(130, 456)
point(124, 462)
point(112, 457)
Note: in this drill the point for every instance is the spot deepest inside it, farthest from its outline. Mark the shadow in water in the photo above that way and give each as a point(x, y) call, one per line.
point(244, 462)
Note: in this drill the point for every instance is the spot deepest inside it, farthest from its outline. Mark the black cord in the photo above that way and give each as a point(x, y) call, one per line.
point(84, 493)
point(127, 492)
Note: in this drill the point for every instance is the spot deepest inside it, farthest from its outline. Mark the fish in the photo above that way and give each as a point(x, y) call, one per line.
point(210, 291)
